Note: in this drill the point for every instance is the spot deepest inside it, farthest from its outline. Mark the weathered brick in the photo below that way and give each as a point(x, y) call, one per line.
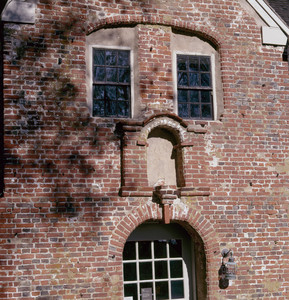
point(75, 187)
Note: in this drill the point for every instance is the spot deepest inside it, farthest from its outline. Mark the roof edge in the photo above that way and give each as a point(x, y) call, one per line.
point(277, 31)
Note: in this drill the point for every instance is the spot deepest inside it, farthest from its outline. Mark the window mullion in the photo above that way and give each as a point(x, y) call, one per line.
point(169, 269)
point(137, 271)
point(153, 267)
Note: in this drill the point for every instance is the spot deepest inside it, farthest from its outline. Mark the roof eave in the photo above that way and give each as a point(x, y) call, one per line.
point(277, 31)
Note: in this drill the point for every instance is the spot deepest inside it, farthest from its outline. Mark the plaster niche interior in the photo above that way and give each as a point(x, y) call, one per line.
point(164, 161)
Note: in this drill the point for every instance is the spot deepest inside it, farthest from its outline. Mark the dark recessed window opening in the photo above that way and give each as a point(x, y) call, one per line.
point(195, 100)
point(111, 83)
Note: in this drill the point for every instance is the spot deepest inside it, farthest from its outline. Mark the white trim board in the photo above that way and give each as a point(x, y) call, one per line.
point(277, 32)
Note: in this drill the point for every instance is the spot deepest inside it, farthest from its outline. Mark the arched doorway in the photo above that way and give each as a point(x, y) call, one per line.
point(160, 262)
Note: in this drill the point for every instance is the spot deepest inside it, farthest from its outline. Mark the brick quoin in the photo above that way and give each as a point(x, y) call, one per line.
point(77, 185)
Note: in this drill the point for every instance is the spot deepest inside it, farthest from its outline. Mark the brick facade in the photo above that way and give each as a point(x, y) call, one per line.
point(76, 186)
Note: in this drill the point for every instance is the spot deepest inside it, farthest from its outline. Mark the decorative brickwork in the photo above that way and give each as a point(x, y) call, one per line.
point(181, 214)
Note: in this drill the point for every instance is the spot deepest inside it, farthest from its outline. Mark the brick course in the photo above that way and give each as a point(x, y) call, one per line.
point(70, 179)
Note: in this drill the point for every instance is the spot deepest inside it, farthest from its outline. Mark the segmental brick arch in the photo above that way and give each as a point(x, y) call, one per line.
point(202, 30)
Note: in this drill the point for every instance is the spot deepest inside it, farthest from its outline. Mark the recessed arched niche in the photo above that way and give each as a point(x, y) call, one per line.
point(164, 158)
point(153, 152)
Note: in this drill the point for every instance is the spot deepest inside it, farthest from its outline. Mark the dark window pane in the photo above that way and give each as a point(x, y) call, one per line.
point(129, 251)
point(175, 248)
point(176, 268)
point(123, 108)
point(123, 58)
point(194, 79)
point(144, 285)
point(160, 249)
point(144, 250)
point(206, 111)
point(177, 288)
point(124, 75)
point(129, 271)
point(161, 269)
point(183, 110)
point(111, 57)
point(194, 96)
point(98, 57)
point(99, 74)
point(194, 82)
point(130, 290)
point(182, 79)
point(195, 111)
point(122, 93)
point(98, 92)
point(111, 75)
point(111, 108)
point(205, 64)
point(98, 108)
point(145, 270)
point(205, 79)
point(110, 92)
point(113, 67)
point(182, 63)
point(206, 96)
point(162, 290)
point(183, 96)
point(194, 64)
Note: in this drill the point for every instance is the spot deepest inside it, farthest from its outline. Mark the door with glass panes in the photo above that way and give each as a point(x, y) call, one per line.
point(158, 263)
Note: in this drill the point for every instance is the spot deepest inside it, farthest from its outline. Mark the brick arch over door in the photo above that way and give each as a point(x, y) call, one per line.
point(189, 218)
point(120, 20)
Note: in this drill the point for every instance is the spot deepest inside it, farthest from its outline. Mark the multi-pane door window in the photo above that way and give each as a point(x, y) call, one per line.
point(194, 87)
point(111, 83)
point(156, 267)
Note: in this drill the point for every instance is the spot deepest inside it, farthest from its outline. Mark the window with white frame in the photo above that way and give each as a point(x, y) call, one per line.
point(197, 77)
point(111, 72)
point(113, 75)
point(111, 83)
point(161, 267)
point(195, 90)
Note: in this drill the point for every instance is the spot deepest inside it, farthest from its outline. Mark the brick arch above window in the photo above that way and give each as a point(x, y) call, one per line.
point(189, 27)
point(149, 91)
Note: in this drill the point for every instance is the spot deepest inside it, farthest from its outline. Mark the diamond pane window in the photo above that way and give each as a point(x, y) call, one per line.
point(194, 86)
point(111, 83)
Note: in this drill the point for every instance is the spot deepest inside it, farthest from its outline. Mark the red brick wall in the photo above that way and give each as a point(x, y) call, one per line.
point(63, 221)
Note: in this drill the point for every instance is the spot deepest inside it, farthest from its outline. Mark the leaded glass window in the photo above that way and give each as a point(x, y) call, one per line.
point(194, 87)
point(111, 83)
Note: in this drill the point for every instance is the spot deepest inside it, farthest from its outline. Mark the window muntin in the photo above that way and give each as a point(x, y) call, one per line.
point(156, 264)
point(194, 84)
point(111, 83)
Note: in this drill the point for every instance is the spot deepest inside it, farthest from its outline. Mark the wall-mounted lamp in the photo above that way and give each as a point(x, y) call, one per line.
point(228, 269)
